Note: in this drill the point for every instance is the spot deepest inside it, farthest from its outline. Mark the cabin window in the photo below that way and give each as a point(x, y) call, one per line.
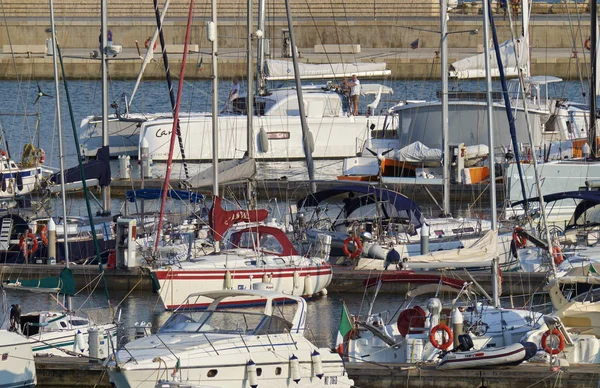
point(212, 373)
point(79, 322)
point(63, 324)
point(259, 371)
point(277, 371)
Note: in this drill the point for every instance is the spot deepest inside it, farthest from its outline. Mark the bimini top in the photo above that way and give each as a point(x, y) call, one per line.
point(157, 193)
point(400, 202)
point(591, 196)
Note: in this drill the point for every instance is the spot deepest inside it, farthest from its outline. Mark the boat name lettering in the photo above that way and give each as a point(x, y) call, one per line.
point(162, 132)
point(278, 135)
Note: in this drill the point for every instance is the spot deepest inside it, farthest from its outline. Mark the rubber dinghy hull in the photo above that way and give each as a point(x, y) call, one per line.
point(505, 356)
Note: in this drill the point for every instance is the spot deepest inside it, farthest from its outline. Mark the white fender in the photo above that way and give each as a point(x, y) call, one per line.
point(296, 279)
point(263, 140)
point(252, 376)
point(227, 283)
point(317, 364)
point(308, 285)
point(295, 368)
point(79, 342)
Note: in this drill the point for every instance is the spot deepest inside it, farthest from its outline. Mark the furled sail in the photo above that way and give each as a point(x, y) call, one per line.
point(276, 70)
point(474, 66)
point(229, 171)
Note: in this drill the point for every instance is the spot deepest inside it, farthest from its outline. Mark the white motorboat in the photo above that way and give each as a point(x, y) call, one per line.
point(571, 331)
point(17, 368)
point(252, 253)
point(57, 333)
point(19, 180)
point(225, 348)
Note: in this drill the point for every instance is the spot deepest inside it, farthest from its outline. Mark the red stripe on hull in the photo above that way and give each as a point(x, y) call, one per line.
point(242, 274)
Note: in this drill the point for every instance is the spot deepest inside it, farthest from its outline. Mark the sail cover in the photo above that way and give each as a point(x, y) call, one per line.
point(474, 67)
point(94, 169)
point(278, 70)
point(220, 219)
point(229, 171)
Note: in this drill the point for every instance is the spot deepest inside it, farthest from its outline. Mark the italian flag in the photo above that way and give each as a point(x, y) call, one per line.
point(345, 327)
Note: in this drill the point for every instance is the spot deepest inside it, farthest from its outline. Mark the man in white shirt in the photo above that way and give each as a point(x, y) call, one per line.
point(354, 93)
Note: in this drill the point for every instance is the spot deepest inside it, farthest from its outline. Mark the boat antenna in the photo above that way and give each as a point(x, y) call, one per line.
point(61, 154)
point(175, 119)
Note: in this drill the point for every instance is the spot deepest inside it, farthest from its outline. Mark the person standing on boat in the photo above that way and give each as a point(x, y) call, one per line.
point(354, 94)
point(344, 89)
point(234, 93)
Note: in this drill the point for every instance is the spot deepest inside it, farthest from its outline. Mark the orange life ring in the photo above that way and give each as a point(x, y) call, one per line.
point(588, 44)
point(23, 244)
point(519, 240)
point(357, 247)
point(561, 341)
point(42, 156)
point(3, 154)
point(557, 254)
point(434, 342)
point(44, 234)
point(147, 44)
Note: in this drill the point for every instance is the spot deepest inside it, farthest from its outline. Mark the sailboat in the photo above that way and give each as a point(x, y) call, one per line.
point(18, 366)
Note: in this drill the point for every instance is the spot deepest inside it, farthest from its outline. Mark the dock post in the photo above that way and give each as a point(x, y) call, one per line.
point(52, 238)
point(424, 239)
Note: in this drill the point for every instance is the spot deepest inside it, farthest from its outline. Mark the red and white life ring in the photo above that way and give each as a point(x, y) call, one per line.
point(147, 44)
point(24, 243)
point(519, 240)
point(561, 341)
point(557, 254)
point(435, 343)
point(43, 230)
point(357, 247)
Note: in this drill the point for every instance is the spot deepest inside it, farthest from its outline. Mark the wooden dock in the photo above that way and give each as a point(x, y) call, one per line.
point(427, 376)
point(60, 372)
point(345, 279)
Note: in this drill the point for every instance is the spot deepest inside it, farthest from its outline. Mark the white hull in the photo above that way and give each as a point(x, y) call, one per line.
point(176, 284)
point(62, 343)
point(17, 368)
point(333, 137)
point(30, 179)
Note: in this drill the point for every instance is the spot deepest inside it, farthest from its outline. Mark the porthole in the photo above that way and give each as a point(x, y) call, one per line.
point(258, 371)
point(277, 371)
point(212, 373)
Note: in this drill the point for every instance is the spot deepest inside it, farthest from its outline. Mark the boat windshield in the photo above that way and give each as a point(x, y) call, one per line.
point(225, 322)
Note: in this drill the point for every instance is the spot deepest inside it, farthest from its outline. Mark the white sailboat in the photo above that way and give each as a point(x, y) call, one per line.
point(17, 368)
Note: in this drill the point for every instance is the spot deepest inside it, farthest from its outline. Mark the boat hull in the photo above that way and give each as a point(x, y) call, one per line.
point(176, 285)
point(505, 356)
point(18, 366)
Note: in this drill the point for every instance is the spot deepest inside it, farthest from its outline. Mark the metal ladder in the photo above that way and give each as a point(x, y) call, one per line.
point(5, 231)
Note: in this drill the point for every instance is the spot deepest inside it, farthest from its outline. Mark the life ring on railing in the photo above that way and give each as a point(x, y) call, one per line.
point(357, 247)
point(147, 44)
point(520, 241)
point(43, 230)
point(446, 329)
point(3, 154)
point(588, 44)
point(23, 243)
point(41, 156)
point(561, 341)
point(557, 254)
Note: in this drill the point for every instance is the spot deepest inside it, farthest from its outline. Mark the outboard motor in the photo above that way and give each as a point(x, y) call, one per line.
point(15, 318)
point(530, 349)
point(465, 342)
point(392, 257)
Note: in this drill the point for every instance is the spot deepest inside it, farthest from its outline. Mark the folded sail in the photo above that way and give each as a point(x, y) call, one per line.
point(276, 70)
point(229, 171)
point(474, 67)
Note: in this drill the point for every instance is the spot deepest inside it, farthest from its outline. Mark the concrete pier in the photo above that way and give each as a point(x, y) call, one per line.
point(382, 38)
point(345, 279)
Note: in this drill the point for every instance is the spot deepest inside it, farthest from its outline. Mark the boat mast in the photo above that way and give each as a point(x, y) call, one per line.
point(305, 130)
point(445, 139)
point(149, 55)
point(61, 154)
point(249, 101)
point(593, 59)
point(174, 133)
point(491, 156)
point(212, 37)
point(105, 138)
point(260, 51)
